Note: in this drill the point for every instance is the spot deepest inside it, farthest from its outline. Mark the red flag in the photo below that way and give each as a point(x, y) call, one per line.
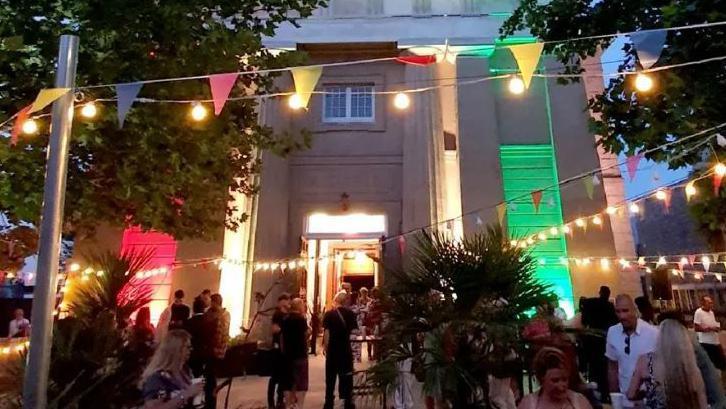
point(417, 59)
point(221, 85)
point(402, 244)
point(18, 125)
point(632, 164)
point(536, 199)
point(717, 178)
point(667, 200)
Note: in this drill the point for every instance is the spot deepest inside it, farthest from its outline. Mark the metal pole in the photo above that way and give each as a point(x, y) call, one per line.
point(35, 387)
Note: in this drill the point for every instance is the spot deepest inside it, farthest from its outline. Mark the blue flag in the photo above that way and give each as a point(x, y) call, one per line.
point(126, 94)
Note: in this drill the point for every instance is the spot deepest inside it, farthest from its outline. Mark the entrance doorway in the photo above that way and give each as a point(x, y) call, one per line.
point(341, 249)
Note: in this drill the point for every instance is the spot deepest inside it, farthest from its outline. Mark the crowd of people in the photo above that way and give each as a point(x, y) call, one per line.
point(630, 361)
point(183, 351)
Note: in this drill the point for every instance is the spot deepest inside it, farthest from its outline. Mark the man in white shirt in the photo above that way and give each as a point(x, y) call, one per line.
point(19, 326)
point(626, 341)
point(707, 330)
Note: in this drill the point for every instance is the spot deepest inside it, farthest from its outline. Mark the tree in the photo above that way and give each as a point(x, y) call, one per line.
point(468, 300)
point(686, 100)
point(161, 171)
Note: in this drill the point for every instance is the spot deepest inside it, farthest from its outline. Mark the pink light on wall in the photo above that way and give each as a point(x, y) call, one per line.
point(164, 253)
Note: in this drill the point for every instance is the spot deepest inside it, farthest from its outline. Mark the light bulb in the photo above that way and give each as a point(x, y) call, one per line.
point(625, 263)
point(265, 266)
point(274, 266)
point(690, 189)
point(542, 261)
point(553, 231)
point(641, 261)
point(401, 101)
point(513, 243)
point(661, 261)
point(295, 101)
point(565, 229)
point(643, 82)
point(542, 236)
point(30, 127)
point(199, 112)
point(74, 267)
point(605, 264)
point(301, 263)
point(634, 208)
point(586, 261)
point(516, 86)
point(660, 195)
point(611, 210)
point(530, 241)
point(684, 261)
point(89, 110)
point(291, 265)
point(596, 220)
point(580, 223)
point(720, 169)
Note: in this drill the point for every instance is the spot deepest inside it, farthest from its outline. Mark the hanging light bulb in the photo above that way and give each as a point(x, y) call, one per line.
point(661, 261)
point(516, 86)
point(199, 112)
point(542, 261)
point(530, 241)
point(553, 231)
point(563, 261)
point(274, 266)
point(660, 194)
point(523, 244)
point(684, 261)
point(720, 169)
point(611, 210)
point(295, 102)
point(580, 222)
point(89, 110)
point(605, 264)
point(74, 267)
point(586, 261)
point(690, 190)
point(542, 236)
point(291, 265)
point(624, 263)
point(565, 229)
point(641, 261)
point(597, 220)
point(634, 208)
point(300, 263)
point(265, 266)
point(513, 243)
point(401, 101)
point(643, 82)
point(30, 127)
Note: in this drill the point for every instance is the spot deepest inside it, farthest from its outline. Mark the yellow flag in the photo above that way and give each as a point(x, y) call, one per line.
point(305, 81)
point(527, 57)
point(46, 96)
point(501, 211)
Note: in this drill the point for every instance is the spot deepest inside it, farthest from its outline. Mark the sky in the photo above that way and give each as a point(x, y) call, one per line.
point(650, 175)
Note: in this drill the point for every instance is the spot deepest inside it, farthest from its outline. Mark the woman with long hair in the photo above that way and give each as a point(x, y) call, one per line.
point(669, 377)
point(141, 335)
point(294, 348)
point(167, 382)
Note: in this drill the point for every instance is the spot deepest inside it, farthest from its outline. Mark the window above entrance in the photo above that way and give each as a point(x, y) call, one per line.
point(349, 103)
point(358, 225)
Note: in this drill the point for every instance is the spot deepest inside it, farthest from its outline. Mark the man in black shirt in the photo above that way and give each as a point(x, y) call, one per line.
point(201, 334)
point(338, 324)
point(598, 314)
point(278, 367)
point(179, 311)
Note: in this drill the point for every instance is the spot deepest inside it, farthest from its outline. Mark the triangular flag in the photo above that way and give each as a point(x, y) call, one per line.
point(595, 180)
point(512, 207)
point(305, 78)
point(632, 164)
point(478, 221)
point(551, 201)
point(649, 46)
point(719, 277)
point(501, 212)
point(46, 96)
point(721, 140)
point(125, 94)
point(402, 244)
point(536, 199)
point(691, 259)
point(417, 59)
point(527, 57)
point(706, 263)
point(18, 125)
point(589, 188)
point(221, 85)
point(717, 178)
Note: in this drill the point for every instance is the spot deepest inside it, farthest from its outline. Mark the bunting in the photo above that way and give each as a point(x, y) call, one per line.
point(501, 212)
point(527, 57)
point(18, 125)
point(46, 97)
point(721, 140)
point(536, 199)
point(478, 220)
point(126, 94)
point(717, 178)
point(595, 180)
point(220, 86)
point(649, 46)
point(706, 263)
point(305, 81)
point(402, 244)
point(589, 187)
point(632, 165)
point(417, 59)
point(667, 200)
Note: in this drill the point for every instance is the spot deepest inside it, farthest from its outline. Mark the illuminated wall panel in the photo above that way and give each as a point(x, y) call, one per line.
point(526, 168)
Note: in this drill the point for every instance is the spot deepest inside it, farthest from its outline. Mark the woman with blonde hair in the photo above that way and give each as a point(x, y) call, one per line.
point(167, 382)
point(553, 372)
point(669, 377)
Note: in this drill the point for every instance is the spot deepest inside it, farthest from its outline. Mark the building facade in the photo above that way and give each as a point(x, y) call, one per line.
point(375, 171)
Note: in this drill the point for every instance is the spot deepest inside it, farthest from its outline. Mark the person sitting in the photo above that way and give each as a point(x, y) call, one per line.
point(166, 382)
point(20, 326)
point(552, 372)
point(669, 377)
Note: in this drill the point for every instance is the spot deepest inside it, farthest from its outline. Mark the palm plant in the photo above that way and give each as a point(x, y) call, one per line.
point(467, 300)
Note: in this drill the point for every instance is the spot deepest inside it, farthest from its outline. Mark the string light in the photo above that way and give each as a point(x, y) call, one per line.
point(74, 267)
point(720, 169)
point(690, 189)
point(579, 222)
point(566, 229)
point(624, 263)
point(89, 110)
point(542, 261)
point(641, 261)
point(597, 220)
point(516, 86)
point(643, 82)
point(661, 261)
point(513, 243)
point(586, 261)
point(675, 272)
point(198, 112)
point(542, 236)
point(30, 127)
point(648, 270)
point(401, 101)
point(554, 231)
point(634, 208)
point(295, 102)
point(611, 210)
point(530, 241)
point(605, 264)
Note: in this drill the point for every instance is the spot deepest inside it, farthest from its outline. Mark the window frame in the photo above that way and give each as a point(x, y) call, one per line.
point(348, 118)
